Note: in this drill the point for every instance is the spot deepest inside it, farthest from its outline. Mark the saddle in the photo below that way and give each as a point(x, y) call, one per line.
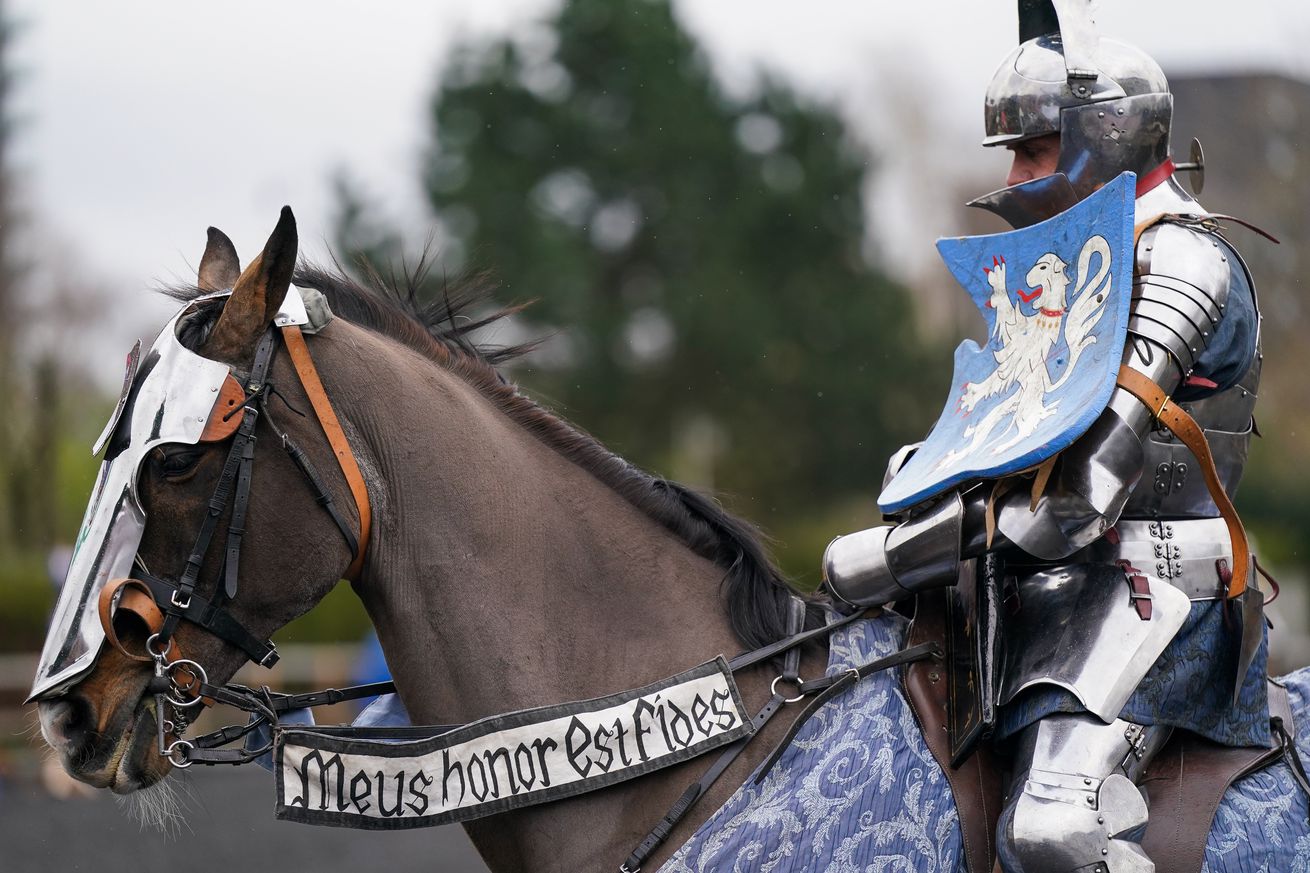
point(1184, 784)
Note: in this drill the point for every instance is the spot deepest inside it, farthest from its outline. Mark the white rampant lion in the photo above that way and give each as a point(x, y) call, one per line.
point(1025, 344)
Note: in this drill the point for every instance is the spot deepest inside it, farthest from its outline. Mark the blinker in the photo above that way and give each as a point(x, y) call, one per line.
point(171, 396)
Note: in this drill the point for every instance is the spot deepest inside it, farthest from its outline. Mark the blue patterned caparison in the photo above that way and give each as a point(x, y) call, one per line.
point(858, 791)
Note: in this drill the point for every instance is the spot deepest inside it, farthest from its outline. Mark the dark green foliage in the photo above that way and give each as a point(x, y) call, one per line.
point(699, 258)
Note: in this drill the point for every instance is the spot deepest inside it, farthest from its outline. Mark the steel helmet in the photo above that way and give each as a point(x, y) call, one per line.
point(1108, 101)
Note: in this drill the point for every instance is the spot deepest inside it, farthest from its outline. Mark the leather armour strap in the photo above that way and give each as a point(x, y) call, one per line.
point(132, 596)
point(1184, 427)
point(327, 419)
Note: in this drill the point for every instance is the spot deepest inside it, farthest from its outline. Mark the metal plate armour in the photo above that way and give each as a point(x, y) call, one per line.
point(1075, 627)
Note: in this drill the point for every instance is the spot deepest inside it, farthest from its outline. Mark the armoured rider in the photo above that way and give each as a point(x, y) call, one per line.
point(1125, 529)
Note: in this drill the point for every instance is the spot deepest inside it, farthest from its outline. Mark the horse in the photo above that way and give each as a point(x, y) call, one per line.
point(511, 562)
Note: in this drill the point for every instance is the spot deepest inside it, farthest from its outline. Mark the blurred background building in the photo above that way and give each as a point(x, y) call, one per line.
point(724, 212)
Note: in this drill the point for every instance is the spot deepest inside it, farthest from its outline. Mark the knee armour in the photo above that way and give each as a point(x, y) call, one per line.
point(1073, 805)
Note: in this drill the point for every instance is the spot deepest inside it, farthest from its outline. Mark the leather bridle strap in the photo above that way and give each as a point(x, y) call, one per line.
point(241, 455)
point(133, 597)
point(1183, 426)
point(327, 419)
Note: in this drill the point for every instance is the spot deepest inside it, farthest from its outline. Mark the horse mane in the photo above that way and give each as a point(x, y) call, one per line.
point(754, 590)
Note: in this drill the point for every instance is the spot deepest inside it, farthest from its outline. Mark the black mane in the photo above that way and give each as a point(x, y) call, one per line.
point(754, 590)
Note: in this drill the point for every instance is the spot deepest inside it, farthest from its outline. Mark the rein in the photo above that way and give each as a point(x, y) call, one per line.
point(180, 683)
point(265, 708)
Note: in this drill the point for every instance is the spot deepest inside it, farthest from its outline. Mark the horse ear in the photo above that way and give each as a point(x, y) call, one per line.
point(219, 267)
point(257, 296)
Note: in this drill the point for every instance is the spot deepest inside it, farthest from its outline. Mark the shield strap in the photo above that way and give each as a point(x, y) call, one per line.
point(1183, 426)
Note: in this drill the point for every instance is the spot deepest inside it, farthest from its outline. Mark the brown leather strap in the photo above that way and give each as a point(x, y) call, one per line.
point(135, 598)
point(976, 783)
point(227, 413)
point(1186, 784)
point(327, 419)
point(1186, 429)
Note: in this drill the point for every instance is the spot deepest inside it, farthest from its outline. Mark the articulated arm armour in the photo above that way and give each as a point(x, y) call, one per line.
point(1180, 292)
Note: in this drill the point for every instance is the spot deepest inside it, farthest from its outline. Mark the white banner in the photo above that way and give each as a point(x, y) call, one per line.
point(334, 777)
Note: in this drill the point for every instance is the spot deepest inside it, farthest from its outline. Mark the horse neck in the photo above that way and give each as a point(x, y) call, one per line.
point(502, 574)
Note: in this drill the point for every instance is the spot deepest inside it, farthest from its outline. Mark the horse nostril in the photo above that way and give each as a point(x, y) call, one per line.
point(67, 722)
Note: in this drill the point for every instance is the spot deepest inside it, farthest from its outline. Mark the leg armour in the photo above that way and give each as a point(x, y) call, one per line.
point(1073, 805)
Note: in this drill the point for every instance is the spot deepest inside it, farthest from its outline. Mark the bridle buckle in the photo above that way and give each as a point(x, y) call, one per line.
point(184, 603)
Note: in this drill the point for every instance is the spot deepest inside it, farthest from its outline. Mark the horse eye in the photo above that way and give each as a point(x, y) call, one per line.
point(176, 463)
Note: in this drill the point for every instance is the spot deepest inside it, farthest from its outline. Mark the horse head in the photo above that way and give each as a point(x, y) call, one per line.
point(166, 475)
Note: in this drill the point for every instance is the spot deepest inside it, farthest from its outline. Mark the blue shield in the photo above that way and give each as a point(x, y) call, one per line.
point(1055, 297)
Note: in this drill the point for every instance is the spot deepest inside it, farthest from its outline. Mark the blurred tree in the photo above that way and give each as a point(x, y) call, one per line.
point(13, 436)
point(699, 256)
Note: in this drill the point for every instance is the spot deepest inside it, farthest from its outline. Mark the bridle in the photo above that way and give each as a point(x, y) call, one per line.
point(163, 604)
point(180, 683)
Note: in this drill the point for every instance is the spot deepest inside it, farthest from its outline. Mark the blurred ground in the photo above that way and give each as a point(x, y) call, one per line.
point(48, 822)
point(230, 826)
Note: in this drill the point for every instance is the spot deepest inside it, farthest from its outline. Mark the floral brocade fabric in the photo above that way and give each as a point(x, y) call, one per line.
point(858, 791)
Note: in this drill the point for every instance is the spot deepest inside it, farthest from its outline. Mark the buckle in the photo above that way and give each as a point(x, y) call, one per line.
point(180, 604)
point(271, 658)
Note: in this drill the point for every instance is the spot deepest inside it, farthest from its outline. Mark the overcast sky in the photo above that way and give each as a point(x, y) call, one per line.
point(144, 122)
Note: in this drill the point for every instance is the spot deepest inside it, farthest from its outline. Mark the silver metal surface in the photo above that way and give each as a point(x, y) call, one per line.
point(855, 569)
point(1076, 628)
point(1167, 197)
point(1108, 101)
point(898, 460)
point(1181, 496)
point(292, 310)
point(173, 393)
point(1028, 203)
point(1086, 494)
point(883, 564)
point(1183, 552)
point(1073, 807)
point(924, 551)
point(133, 364)
point(1185, 266)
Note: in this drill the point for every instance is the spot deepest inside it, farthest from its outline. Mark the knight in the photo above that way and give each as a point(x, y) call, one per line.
point(1125, 598)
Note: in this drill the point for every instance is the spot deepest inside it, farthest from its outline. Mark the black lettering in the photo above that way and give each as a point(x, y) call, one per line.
point(473, 783)
point(419, 792)
point(642, 708)
point(521, 754)
point(492, 757)
point(727, 716)
point(602, 746)
point(664, 724)
point(313, 757)
point(699, 711)
point(680, 725)
point(584, 740)
point(543, 746)
point(620, 733)
point(447, 770)
point(382, 795)
point(360, 788)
